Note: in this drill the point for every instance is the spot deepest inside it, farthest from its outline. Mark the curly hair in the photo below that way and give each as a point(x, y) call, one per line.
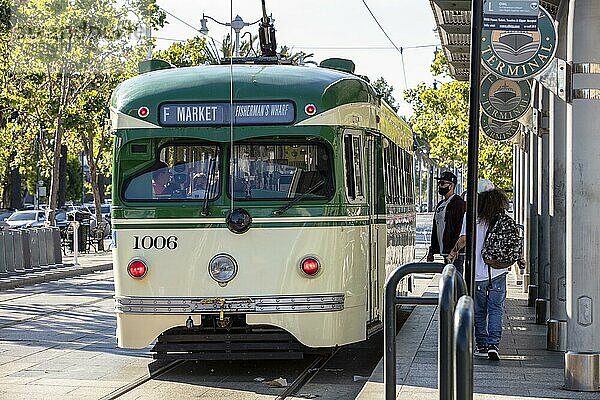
point(490, 203)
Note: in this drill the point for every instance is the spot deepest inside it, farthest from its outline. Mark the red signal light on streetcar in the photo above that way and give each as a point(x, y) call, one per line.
point(137, 269)
point(310, 266)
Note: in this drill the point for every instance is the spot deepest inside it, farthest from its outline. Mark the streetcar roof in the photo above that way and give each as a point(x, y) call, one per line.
point(326, 89)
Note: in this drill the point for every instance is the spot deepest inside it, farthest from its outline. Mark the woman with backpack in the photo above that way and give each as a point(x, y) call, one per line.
point(490, 282)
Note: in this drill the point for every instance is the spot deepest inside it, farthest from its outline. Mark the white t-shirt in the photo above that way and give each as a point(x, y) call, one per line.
point(481, 268)
point(440, 221)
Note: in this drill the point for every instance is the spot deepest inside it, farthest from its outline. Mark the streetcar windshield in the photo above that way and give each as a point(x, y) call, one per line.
point(281, 171)
point(182, 172)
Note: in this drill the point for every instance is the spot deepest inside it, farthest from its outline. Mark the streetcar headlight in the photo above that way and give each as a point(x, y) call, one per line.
point(222, 268)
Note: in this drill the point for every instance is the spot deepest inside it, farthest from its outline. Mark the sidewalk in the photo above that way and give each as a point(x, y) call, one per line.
point(88, 263)
point(526, 369)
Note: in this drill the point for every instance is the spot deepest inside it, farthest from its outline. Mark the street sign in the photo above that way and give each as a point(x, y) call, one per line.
point(519, 55)
point(499, 130)
point(504, 99)
point(510, 15)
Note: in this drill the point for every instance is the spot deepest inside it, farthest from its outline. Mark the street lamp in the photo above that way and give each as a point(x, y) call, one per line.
point(237, 24)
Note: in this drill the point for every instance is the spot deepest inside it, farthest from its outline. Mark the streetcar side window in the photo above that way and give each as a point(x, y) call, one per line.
point(181, 172)
point(353, 164)
point(281, 171)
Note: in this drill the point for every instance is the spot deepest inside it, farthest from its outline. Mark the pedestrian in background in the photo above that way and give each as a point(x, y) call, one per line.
point(490, 283)
point(447, 221)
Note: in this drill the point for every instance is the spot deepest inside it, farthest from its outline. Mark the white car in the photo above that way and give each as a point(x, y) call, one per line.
point(26, 219)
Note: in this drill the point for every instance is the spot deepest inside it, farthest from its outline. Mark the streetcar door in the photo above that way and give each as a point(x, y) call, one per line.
point(371, 181)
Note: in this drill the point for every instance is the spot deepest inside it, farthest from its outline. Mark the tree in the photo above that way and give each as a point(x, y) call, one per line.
point(61, 52)
point(386, 90)
point(442, 118)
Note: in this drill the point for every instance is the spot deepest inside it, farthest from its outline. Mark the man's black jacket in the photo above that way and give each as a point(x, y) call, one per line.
point(455, 210)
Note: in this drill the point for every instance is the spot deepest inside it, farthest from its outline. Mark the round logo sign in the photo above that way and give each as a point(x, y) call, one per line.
point(518, 55)
point(503, 99)
point(499, 130)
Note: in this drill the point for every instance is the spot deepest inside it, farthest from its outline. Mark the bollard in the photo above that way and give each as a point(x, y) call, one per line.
point(389, 317)
point(463, 349)
point(42, 247)
point(26, 249)
point(57, 246)
point(10, 251)
point(49, 247)
point(34, 248)
point(3, 265)
point(18, 249)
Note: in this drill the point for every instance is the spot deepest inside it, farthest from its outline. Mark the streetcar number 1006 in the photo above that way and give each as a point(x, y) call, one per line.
point(155, 242)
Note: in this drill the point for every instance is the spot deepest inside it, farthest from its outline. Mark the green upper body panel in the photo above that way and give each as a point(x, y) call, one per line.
point(325, 88)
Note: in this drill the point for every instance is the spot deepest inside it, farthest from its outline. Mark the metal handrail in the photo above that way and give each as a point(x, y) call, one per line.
point(391, 300)
point(451, 287)
point(463, 349)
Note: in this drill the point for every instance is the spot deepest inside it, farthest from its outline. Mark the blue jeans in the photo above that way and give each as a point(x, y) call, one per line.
point(489, 309)
point(459, 263)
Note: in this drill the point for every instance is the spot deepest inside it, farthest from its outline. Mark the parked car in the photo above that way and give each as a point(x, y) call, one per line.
point(5, 213)
point(27, 219)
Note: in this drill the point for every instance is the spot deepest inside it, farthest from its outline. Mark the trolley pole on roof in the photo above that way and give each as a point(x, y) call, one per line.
point(473, 145)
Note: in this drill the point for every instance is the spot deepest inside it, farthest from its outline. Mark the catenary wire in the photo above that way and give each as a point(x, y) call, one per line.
point(399, 49)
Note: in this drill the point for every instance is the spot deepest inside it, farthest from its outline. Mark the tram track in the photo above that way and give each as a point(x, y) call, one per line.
point(143, 379)
point(307, 375)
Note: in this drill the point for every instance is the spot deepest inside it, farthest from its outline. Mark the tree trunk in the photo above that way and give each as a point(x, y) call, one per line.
point(96, 191)
point(55, 177)
point(62, 183)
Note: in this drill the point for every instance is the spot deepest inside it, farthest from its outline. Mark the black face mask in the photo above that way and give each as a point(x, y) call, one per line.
point(443, 190)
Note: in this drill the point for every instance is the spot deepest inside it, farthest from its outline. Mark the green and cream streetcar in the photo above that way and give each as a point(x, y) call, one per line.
point(257, 208)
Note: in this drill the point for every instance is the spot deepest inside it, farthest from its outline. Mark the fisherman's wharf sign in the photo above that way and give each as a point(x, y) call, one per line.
point(518, 55)
point(499, 130)
point(503, 99)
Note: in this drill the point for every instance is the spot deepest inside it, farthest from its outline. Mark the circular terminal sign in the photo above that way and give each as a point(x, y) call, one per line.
point(499, 130)
point(518, 55)
point(503, 99)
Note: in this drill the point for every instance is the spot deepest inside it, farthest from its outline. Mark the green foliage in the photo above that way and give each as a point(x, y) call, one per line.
point(442, 118)
point(189, 53)
point(74, 178)
point(385, 90)
point(60, 62)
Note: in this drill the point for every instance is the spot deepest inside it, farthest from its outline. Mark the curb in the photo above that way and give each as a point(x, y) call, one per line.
point(50, 275)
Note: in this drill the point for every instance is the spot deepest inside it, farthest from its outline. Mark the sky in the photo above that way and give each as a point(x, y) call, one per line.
point(328, 28)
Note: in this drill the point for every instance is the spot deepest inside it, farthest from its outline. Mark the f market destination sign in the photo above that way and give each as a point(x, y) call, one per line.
point(503, 99)
point(518, 55)
point(219, 114)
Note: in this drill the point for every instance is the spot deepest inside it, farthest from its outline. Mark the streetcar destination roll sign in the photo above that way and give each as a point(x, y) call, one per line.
point(218, 114)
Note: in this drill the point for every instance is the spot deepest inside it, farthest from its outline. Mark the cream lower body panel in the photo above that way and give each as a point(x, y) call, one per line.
point(320, 329)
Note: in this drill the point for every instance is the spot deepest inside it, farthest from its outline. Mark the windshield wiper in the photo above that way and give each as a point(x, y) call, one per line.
point(209, 185)
point(296, 199)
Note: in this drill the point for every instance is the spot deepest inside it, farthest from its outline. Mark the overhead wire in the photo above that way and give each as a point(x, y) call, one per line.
point(215, 49)
point(399, 49)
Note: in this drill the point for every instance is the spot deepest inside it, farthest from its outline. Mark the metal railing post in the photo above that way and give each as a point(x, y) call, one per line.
point(75, 242)
point(463, 349)
point(389, 317)
point(451, 287)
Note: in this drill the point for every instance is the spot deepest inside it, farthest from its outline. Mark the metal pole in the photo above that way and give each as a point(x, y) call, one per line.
point(82, 181)
point(582, 359)
point(473, 144)
point(75, 242)
point(533, 220)
point(237, 42)
point(447, 301)
point(526, 208)
point(542, 302)
point(556, 337)
point(463, 349)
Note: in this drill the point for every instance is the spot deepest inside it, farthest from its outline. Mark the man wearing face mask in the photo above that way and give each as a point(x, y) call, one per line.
point(447, 220)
